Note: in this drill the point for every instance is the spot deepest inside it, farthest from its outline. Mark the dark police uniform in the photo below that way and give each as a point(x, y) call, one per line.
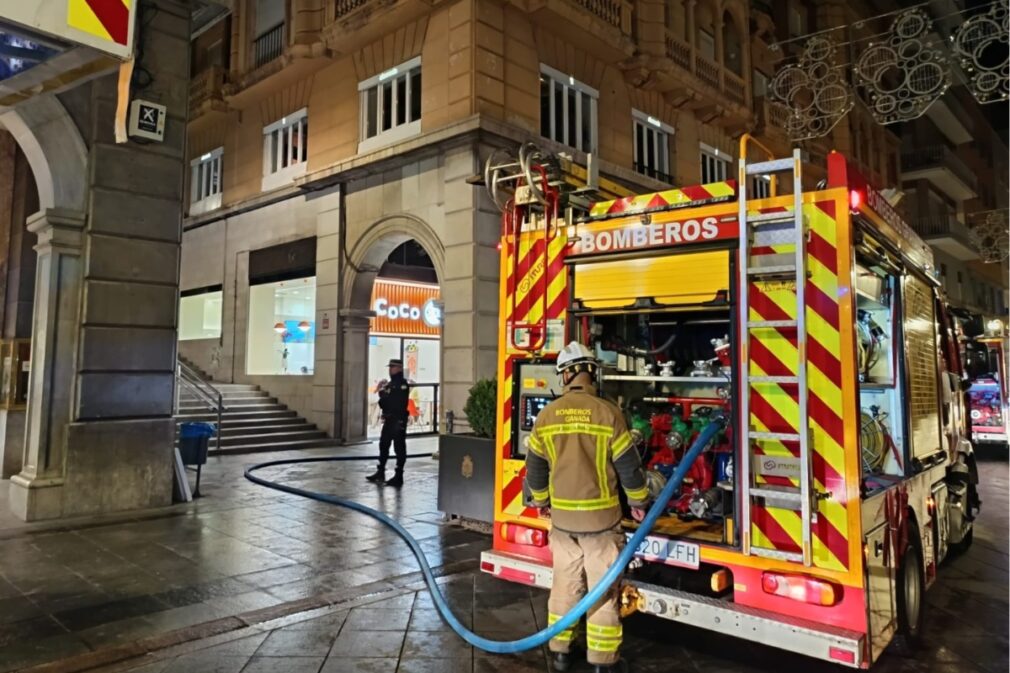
point(393, 400)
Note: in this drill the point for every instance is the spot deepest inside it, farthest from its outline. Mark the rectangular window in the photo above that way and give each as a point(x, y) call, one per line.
point(200, 314)
point(715, 165)
point(797, 19)
point(760, 187)
point(567, 110)
point(652, 146)
point(205, 182)
point(706, 45)
point(282, 328)
point(391, 106)
point(285, 149)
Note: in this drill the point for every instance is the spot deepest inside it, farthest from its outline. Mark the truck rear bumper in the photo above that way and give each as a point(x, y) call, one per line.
point(804, 637)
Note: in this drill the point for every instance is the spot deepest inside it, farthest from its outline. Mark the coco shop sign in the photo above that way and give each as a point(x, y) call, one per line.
point(430, 313)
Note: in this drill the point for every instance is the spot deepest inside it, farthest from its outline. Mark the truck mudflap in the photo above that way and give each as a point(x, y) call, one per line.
point(801, 636)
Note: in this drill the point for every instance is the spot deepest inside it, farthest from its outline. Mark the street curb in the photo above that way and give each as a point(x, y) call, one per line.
point(251, 620)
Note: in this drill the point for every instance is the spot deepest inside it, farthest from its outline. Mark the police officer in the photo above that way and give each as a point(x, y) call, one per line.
point(578, 455)
point(394, 397)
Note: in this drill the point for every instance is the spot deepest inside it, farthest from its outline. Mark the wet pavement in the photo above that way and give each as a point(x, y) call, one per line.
point(248, 551)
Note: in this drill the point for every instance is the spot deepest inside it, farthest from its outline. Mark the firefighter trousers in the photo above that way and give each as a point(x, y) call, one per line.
point(578, 560)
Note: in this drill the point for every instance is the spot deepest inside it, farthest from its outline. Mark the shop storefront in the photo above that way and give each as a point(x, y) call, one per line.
point(407, 325)
point(281, 336)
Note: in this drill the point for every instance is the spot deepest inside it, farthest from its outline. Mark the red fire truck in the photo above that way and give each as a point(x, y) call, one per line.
point(818, 519)
point(989, 395)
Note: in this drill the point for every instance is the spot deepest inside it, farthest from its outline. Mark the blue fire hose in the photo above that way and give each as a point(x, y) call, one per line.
point(567, 621)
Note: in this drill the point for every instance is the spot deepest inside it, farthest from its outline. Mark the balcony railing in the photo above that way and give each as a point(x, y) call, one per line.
point(735, 87)
point(345, 7)
point(707, 71)
point(942, 225)
point(936, 156)
point(268, 46)
point(687, 57)
point(771, 116)
point(678, 51)
point(615, 12)
point(653, 173)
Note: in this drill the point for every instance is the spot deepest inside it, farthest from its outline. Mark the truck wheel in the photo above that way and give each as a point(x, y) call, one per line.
point(910, 591)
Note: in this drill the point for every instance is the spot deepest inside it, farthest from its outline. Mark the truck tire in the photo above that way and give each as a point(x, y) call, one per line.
point(910, 595)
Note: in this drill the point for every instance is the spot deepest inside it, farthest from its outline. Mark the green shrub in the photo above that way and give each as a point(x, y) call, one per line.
point(480, 407)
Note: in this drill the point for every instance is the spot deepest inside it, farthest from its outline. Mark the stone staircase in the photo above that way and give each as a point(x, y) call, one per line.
point(253, 421)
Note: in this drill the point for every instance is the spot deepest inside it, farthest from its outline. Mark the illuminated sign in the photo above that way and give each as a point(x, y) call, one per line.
point(403, 308)
point(652, 235)
point(105, 25)
point(430, 313)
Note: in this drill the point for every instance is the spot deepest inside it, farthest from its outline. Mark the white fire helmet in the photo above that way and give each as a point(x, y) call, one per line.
point(576, 355)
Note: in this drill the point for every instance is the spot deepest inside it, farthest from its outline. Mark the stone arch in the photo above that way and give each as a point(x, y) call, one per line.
point(364, 259)
point(54, 148)
point(366, 255)
point(58, 159)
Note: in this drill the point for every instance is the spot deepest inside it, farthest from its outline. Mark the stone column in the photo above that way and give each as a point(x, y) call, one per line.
point(328, 269)
point(692, 34)
point(37, 492)
point(354, 415)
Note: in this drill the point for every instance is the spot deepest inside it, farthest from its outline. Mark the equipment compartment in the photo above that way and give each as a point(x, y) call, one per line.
point(670, 370)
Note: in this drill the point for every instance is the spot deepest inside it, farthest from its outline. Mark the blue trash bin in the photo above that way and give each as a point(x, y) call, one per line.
point(194, 438)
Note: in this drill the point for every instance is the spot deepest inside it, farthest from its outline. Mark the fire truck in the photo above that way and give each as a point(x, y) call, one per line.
point(989, 394)
point(813, 320)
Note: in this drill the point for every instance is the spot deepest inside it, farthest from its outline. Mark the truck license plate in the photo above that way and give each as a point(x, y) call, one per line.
point(670, 552)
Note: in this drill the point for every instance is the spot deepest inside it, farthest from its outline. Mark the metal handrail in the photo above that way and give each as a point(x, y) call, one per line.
point(205, 392)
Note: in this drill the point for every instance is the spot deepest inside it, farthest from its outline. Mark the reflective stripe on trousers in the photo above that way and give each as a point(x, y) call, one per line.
point(579, 559)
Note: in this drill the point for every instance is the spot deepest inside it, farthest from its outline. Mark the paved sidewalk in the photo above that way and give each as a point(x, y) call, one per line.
point(240, 548)
point(245, 548)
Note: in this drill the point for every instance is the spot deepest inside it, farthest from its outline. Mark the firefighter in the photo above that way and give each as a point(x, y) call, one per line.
point(394, 397)
point(578, 455)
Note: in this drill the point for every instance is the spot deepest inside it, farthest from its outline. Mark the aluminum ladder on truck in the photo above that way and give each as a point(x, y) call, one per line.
point(765, 229)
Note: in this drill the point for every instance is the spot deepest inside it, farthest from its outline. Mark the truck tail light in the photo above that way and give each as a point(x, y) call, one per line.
point(519, 534)
point(801, 588)
point(844, 656)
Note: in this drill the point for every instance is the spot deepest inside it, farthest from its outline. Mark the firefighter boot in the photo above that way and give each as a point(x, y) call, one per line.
point(562, 661)
point(379, 477)
point(620, 666)
point(397, 480)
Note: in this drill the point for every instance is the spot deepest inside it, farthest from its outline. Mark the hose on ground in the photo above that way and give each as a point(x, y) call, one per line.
point(568, 620)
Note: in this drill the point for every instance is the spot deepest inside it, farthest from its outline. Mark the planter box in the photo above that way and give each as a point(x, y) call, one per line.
point(466, 476)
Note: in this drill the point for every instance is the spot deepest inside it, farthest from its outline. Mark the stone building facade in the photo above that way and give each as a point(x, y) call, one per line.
point(658, 90)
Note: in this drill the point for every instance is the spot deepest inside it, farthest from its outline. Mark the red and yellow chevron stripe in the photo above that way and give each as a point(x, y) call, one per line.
point(105, 19)
point(774, 406)
point(534, 283)
point(683, 196)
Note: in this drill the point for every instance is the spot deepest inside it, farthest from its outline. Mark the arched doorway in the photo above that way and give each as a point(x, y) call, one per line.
point(406, 300)
point(48, 200)
point(397, 251)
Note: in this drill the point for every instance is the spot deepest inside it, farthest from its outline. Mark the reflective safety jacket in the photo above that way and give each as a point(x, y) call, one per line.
point(578, 449)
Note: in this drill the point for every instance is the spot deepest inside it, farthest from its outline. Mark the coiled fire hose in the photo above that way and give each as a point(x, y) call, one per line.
point(568, 620)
